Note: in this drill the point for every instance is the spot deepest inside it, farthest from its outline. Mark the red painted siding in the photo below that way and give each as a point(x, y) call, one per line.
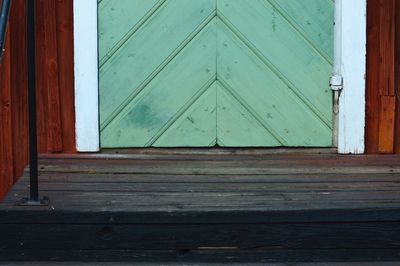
point(383, 109)
point(55, 81)
point(6, 136)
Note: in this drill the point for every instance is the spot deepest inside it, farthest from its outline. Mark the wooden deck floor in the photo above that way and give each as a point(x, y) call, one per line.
point(225, 206)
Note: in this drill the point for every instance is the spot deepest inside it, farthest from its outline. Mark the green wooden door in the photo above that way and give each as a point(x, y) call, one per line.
point(233, 73)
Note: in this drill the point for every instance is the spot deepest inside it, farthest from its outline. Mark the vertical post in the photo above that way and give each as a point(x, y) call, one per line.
point(351, 128)
point(86, 76)
point(33, 158)
point(33, 199)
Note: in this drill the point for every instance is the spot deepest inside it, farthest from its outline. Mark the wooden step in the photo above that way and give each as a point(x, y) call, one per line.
point(98, 212)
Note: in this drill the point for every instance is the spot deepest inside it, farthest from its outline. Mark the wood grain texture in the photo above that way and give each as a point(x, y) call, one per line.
point(19, 85)
point(109, 206)
point(387, 46)
point(350, 257)
point(387, 77)
point(55, 81)
point(51, 72)
point(65, 50)
point(6, 136)
point(255, 90)
point(397, 80)
point(387, 124)
point(383, 115)
point(56, 127)
point(65, 83)
point(373, 77)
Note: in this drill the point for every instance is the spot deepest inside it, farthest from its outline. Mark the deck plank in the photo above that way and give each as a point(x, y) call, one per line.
point(225, 186)
point(201, 181)
point(183, 206)
point(282, 178)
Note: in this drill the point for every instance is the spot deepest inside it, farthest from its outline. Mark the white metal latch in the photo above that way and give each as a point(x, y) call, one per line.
point(336, 83)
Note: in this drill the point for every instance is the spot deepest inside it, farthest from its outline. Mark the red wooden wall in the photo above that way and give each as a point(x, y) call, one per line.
point(6, 137)
point(383, 77)
point(55, 91)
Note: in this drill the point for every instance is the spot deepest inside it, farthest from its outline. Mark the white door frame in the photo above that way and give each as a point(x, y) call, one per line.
point(350, 43)
point(352, 58)
point(86, 76)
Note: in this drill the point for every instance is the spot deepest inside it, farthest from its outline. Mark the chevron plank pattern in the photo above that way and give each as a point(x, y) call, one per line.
point(199, 73)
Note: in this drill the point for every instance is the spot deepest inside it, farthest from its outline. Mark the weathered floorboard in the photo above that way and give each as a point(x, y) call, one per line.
point(201, 206)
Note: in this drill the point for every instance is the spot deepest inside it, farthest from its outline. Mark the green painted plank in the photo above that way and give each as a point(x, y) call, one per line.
point(312, 18)
point(237, 126)
point(196, 126)
point(258, 87)
point(280, 46)
point(182, 73)
point(120, 19)
point(164, 97)
point(150, 49)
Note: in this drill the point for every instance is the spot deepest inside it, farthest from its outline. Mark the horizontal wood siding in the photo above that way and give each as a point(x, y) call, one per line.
point(55, 90)
point(383, 109)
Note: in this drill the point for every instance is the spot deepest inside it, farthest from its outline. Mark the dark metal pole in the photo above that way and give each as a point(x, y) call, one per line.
point(33, 153)
point(33, 199)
